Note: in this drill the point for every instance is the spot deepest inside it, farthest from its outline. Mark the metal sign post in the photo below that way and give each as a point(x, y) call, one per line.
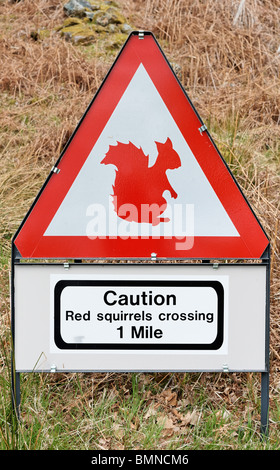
point(265, 374)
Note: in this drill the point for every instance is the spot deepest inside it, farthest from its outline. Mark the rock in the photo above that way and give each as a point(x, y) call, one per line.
point(90, 20)
point(112, 28)
point(110, 16)
point(77, 31)
point(71, 22)
point(126, 28)
point(77, 8)
point(89, 15)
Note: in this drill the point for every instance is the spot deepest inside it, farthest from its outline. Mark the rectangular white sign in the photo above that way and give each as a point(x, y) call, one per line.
point(179, 314)
point(147, 317)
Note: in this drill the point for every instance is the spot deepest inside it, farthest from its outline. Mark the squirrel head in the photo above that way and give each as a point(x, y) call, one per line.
point(167, 158)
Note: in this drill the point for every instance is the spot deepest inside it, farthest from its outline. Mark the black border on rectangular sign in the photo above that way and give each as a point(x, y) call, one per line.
point(216, 285)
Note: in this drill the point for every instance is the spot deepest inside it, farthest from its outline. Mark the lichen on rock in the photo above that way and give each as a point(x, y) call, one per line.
point(78, 8)
point(89, 20)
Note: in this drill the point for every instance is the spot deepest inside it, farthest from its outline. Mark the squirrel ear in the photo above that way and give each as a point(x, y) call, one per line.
point(168, 142)
point(159, 145)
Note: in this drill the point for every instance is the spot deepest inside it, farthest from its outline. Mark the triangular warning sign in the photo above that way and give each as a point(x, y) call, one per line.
point(141, 175)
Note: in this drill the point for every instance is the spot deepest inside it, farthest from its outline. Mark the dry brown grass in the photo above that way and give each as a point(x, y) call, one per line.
point(45, 88)
point(225, 53)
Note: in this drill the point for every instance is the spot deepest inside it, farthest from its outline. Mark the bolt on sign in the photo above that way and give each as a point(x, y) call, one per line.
point(141, 179)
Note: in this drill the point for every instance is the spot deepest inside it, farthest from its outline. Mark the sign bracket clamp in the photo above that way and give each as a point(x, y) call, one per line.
point(202, 128)
point(55, 170)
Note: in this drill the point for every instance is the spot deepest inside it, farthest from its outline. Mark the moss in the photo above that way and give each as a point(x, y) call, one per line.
point(78, 33)
point(115, 41)
point(103, 5)
point(40, 34)
point(104, 21)
point(71, 21)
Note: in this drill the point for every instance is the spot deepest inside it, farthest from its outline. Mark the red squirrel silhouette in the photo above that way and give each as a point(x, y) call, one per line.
point(137, 189)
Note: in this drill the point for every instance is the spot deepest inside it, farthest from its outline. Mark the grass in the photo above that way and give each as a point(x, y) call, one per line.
point(133, 411)
point(225, 55)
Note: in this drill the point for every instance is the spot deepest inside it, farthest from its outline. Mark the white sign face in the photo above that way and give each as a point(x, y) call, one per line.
point(77, 215)
point(182, 314)
point(147, 317)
